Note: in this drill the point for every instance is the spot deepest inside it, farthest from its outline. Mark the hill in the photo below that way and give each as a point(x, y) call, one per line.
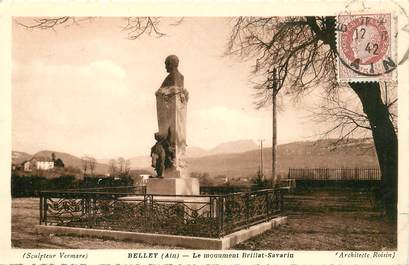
point(18, 157)
point(69, 160)
point(308, 154)
point(195, 151)
point(223, 148)
point(144, 162)
point(73, 161)
point(303, 154)
point(238, 163)
point(140, 162)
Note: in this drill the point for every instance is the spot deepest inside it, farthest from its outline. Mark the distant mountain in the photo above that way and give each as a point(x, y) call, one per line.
point(303, 154)
point(238, 163)
point(195, 151)
point(234, 147)
point(140, 162)
point(144, 162)
point(18, 157)
point(308, 154)
point(223, 148)
point(103, 161)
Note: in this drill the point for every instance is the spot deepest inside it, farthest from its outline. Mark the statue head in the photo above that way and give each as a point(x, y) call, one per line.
point(171, 63)
point(158, 137)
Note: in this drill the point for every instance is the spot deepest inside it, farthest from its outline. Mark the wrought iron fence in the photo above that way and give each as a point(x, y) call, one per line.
point(201, 215)
point(205, 190)
point(334, 174)
point(114, 189)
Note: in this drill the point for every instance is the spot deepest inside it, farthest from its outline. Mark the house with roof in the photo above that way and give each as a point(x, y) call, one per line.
point(27, 166)
point(43, 163)
point(39, 163)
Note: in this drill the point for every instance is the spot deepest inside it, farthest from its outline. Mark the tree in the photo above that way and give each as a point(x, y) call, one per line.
point(344, 115)
point(113, 169)
point(127, 168)
point(84, 164)
point(135, 27)
point(121, 164)
point(88, 162)
point(92, 162)
point(303, 50)
point(203, 177)
point(59, 163)
point(259, 182)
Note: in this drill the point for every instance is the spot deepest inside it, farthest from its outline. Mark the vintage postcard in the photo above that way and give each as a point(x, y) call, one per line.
point(204, 133)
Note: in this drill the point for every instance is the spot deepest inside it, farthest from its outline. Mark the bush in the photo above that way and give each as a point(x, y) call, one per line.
point(259, 183)
point(27, 186)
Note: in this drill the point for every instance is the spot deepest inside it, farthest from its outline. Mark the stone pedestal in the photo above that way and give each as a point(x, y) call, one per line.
point(173, 186)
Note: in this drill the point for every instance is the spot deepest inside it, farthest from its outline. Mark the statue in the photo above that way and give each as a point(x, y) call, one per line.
point(169, 150)
point(174, 78)
point(171, 107)
point(162, 154)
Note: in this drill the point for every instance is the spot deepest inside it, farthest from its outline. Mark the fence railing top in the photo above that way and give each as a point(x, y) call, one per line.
point(114, 193)
point(84, 192)
point(101, 188)
point(334, 168)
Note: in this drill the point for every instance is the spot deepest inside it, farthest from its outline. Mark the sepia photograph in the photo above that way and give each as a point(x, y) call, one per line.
point(247, 133)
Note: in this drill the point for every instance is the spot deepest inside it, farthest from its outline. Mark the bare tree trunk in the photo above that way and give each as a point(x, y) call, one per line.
point(274, 154)
point(385, 139)
point(261, 161)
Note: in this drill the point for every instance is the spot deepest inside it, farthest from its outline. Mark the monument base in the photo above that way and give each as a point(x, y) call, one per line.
point(173, 186)
point(176, 173)
point(165, 240)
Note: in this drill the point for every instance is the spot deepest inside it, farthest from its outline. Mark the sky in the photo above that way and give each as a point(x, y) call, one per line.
point(87, 89)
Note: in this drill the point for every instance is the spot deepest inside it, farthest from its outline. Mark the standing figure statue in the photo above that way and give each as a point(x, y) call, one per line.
point(162, 154)
point(171, 107)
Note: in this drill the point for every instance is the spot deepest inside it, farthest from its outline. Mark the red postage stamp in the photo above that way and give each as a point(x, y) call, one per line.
point(366, 48)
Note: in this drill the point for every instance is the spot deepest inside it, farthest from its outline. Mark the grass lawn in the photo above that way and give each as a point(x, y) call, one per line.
point(304, 231)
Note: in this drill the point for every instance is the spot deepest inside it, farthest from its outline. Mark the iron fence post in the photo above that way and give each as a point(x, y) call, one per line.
point(281, 200)
point(211, 215)
point(90, 217)
point(93, 207)
point(211, 207)
point(150, 213)
point(41, 208)
point(247, 205)
point(267, 204)
point(220, 215)
point(145, 212)
point(148, 205)
point(87, 214)
point(82, 207)
point(45, 210)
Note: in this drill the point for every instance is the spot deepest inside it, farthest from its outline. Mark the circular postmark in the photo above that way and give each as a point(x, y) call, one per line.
point(366, 40)
point(364, 46)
